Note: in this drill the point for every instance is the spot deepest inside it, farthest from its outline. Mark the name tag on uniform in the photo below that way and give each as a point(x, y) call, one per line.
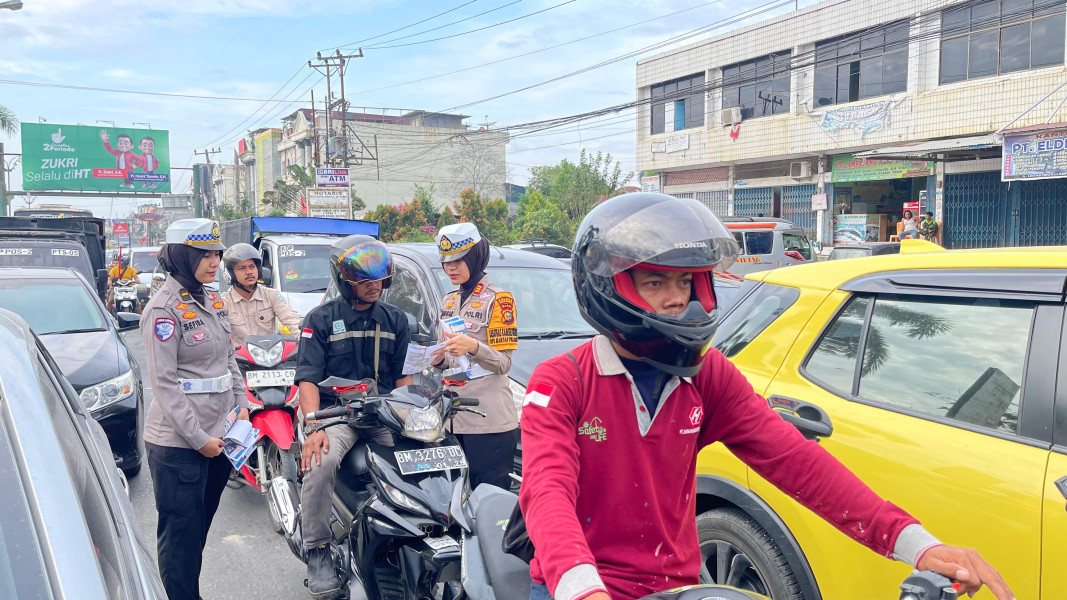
point(339, 326)
point(454, 325)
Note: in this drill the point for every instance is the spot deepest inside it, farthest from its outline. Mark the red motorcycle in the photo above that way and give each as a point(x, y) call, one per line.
point(268, 363)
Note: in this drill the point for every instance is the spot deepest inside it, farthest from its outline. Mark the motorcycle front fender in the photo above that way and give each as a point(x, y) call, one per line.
point(276, 425)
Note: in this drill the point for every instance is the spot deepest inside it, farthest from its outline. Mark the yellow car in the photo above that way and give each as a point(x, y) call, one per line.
point(940, 378)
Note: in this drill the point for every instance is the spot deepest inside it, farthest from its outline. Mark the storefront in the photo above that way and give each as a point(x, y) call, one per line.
point(871, 195)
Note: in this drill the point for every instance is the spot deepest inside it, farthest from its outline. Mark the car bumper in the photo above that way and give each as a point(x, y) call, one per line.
point(122, 424)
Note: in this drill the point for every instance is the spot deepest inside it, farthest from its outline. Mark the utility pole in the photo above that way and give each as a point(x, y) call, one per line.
point(198, 201)
point(326, 65)
point(3, 182)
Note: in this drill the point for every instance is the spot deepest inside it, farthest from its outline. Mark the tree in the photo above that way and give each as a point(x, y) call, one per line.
point(541, 219)
point(402, 223)
point(577, 188)
point(490, 217)
point(9, 123)
point(446, 218)
point(424, 196)
point(289, 191)
point(240, 209)
point(275, 203)
point(478, 166)
point(357, 203)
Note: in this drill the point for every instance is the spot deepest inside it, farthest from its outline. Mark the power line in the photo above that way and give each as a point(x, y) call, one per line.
point(120, 91)
point(379, 47)
point(442, 26)
point(261, 107)
point(405, 26)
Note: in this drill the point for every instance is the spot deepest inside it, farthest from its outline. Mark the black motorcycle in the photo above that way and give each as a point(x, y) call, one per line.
point(490, 574)
point(394, 535)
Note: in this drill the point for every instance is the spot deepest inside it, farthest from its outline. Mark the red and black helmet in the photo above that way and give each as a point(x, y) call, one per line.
point(656, 232)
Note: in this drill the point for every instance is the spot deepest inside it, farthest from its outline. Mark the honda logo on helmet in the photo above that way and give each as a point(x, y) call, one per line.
point(690, 245)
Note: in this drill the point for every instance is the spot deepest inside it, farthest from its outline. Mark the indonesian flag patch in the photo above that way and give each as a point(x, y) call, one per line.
point(539, 394)
point(306, 333)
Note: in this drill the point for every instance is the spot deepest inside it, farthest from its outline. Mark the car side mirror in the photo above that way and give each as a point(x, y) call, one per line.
point(417, 336)
point(128, 320)
point(266, 276)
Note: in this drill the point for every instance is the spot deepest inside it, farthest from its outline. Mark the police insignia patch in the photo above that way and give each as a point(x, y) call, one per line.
point(476, 304)
point(478, 289)
point(181, 305)
point(199, 336)
point(219, 304)
point(188, 315)
point(164, 328)
point(507, 308)
point(451, 303)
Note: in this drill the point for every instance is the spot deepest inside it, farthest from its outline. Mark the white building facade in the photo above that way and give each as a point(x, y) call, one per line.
point(759, 120)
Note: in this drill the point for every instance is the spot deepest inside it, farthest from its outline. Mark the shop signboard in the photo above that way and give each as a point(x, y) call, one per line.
point(856, 229)
point(847, 167)
point(100, 159)
point(650, 183)
point(1039, 155)
point(678, 143)
point(331, 178)
point(332, 204)
point(819, 202)
point(120, 229)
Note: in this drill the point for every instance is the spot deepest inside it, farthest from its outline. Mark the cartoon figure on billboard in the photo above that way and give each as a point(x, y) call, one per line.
point(147, 161)
point(124, 158)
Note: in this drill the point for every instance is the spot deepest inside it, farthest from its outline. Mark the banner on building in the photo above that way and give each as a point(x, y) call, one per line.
point(121, 229)
point(866, 118)
point(100, 159)
point(650, 183)
point(849, 168)
point(819, 202)
point(1039, 155)
point(677, 143)
point(331, 178)
point(332, 204)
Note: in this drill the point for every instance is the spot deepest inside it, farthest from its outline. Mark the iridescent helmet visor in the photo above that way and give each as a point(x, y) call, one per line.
point(368, 261)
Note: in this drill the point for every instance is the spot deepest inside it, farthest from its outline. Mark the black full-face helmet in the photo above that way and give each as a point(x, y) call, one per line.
point(656, 232)
point(357, 259)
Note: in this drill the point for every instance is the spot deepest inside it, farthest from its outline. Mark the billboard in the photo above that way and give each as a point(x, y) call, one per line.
point(849, 168)
point(333, 204)
point(331, 178)
point(80, 158)
point(1039, 155)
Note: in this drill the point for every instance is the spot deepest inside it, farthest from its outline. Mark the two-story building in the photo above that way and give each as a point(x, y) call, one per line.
point(881, 106)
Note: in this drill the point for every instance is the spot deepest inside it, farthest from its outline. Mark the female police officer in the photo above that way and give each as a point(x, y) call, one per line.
point(196, 384)
point(488, 314)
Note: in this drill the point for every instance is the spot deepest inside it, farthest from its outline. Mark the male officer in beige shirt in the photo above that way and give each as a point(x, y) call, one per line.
point(253, 307)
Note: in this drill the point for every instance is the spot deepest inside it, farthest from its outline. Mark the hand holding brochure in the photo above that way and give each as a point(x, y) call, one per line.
point(239, 439)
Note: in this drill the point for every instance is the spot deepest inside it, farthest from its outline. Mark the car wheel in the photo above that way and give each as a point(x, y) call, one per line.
point(736, 551)
point(132, 472)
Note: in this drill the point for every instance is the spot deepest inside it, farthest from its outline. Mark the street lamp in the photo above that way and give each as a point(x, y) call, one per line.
point(112, 122)
point(148, 125)
point(11, 4)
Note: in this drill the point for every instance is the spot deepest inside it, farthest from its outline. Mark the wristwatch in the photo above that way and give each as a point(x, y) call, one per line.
point(310, 428)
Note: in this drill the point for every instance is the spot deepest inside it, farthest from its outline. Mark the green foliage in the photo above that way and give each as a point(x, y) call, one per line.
point(446, 218)
point(9, 123)
point(276, 212)
point(239, 210)
point(490, 217)
point(549, 223)
point(357, 203)
point(402, 223)
point(424, 196)
point(577, 188)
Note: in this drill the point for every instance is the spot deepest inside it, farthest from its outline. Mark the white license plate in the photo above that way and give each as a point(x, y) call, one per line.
point(277, 378)
point(428, 460)
point(441, 543)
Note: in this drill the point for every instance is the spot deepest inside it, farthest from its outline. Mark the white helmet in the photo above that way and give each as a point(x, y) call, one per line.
point(198, 233)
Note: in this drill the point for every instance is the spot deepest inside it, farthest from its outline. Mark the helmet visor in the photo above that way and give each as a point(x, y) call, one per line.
point(368, 261)
point(680, 235)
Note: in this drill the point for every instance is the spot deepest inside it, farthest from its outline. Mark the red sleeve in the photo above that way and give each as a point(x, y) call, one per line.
point(549, 492)
point(107, 146)
point(743, 421)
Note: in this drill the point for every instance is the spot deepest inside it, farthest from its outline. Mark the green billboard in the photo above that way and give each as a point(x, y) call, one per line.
point(100, 159)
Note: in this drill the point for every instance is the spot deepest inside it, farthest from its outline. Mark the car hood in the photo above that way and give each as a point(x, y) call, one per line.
point(531, 353)
point(302, 303)
point(87, 358)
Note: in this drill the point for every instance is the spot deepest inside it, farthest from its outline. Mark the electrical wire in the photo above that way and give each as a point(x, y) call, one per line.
point(409, 36)
point(356, 43)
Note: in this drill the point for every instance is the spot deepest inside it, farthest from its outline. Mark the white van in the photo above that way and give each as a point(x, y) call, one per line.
point(768, 243)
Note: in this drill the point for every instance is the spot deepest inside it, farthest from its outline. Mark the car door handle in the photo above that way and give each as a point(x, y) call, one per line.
point(810, 419)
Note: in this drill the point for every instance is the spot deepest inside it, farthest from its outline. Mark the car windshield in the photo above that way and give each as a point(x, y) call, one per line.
point(52, 305)
point(144, 262)
point(794, 242)
point(544, 298)
point(303, 268)
point(68, 256)
point(22, 574)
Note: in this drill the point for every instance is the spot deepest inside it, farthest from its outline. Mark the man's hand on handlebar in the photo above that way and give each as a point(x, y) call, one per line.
point(967, 567)
point(315, 446)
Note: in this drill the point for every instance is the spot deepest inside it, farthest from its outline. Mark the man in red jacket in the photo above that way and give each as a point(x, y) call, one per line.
point(623, 418)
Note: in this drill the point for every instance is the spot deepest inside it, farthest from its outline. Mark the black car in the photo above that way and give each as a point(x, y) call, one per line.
point(843, 251)
point(83, 339)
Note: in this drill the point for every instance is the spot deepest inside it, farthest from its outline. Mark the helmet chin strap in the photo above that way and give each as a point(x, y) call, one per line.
point(252, 290)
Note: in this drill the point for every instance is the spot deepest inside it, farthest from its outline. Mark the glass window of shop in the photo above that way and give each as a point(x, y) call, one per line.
point(759, 86)
point(993, 37)
point(862, 65)
point(686, 97)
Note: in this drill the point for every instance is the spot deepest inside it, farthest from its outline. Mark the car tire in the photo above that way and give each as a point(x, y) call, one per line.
point(735, 550)
point(132, 472)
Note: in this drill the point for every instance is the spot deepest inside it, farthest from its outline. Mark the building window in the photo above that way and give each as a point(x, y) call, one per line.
point(862, 65)
point(685, 96)
point(993, 37)
point(759, 86)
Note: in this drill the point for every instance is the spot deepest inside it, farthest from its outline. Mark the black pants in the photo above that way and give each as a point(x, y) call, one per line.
point(490, 456)
point(188, 487)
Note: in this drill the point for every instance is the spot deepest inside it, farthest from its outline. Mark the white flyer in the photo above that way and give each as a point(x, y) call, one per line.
point(419, 358)
point(239, 439)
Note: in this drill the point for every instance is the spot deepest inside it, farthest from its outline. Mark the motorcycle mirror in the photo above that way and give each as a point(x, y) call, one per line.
point(266, 277)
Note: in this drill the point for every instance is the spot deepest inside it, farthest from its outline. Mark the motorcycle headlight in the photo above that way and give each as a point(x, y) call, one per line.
point(518, 392)
point(267, 358)
point(422, 424)
point(108, 392)
point(403, 500)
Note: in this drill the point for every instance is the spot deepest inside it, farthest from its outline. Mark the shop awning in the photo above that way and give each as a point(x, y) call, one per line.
point(924, 149)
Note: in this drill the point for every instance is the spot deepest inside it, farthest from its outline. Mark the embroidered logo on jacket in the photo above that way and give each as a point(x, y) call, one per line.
point(181, 305)
point(199, 336)
point(339, 326)
point(695, 416)
point(188, 315)
point(594, 430)
point(219, 304)
point(539, 394)
point(164, 328)
point(478, 289)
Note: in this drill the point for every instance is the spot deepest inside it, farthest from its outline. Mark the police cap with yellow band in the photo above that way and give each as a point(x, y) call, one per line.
point(198, 233)
point(456, 240)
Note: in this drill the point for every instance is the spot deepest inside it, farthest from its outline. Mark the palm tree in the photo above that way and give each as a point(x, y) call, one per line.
point(9, 123)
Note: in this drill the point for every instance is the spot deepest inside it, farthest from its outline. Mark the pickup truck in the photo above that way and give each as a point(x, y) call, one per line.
point(75, 242)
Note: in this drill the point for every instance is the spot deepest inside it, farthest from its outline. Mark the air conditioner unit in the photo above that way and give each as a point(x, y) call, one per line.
point(799, 170)
point(731, 116)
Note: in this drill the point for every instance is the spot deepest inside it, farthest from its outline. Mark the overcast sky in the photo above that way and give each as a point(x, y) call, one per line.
point(250, 49)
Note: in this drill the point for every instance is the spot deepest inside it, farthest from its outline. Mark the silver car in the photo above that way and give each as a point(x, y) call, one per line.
point(67, 528)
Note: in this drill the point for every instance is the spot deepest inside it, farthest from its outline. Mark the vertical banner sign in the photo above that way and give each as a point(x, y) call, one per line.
point(99, 159)
point(331, 178)
point(1041, 155)
point(332, 204)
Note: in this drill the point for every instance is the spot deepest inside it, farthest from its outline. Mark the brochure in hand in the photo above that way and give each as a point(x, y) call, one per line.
point(239, 439)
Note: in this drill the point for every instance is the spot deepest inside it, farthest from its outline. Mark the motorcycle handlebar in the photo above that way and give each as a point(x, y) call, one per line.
point(327, 413)
point(468, 402)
